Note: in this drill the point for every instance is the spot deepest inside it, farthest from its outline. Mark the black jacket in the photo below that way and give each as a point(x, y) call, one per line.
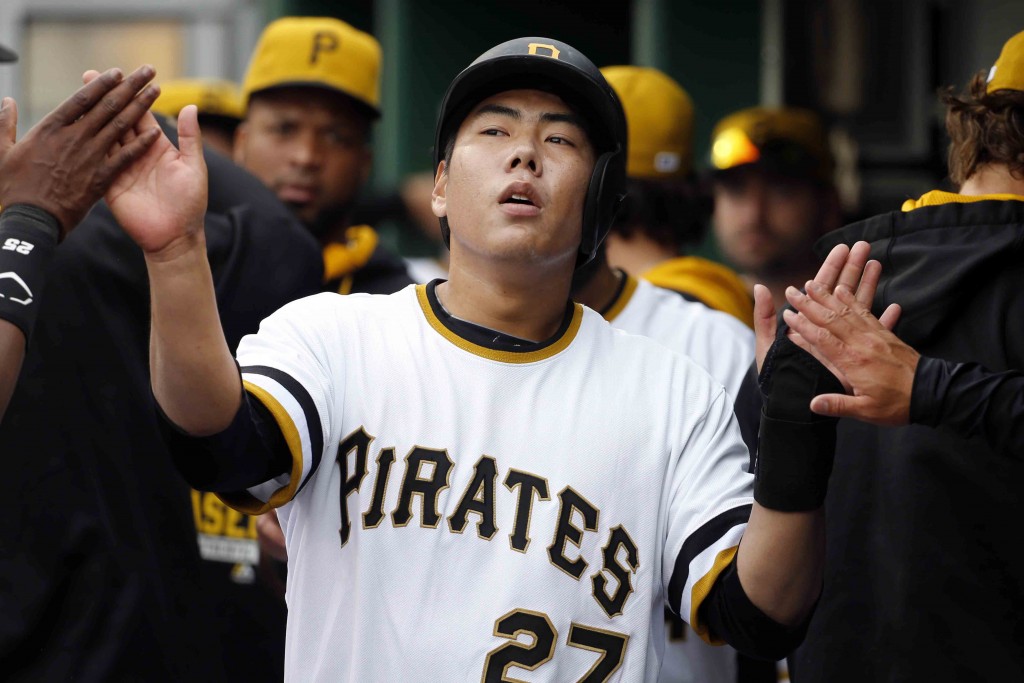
point(100, 575)
point(924, 579)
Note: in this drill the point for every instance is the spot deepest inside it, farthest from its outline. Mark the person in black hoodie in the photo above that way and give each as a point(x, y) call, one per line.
point(924, 579)
point(100, 574)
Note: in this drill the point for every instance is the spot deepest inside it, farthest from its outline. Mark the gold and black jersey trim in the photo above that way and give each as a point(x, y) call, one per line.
point(243, 501)
point(698, 542)
point(494, 345)
point(627, 288)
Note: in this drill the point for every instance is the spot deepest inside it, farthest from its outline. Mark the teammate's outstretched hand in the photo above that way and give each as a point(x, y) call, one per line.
point(877, 367)
point(69, 159)
point(160, 200)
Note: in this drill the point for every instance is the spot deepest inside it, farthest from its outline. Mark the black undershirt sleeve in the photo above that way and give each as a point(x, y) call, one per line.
point(747, 406)
point(971, 401)
point(250, 451)
point(732, 617)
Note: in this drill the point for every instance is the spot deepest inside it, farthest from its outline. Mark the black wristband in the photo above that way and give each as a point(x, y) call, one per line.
point(794, 462)
point(796, 447)
point(28, 236)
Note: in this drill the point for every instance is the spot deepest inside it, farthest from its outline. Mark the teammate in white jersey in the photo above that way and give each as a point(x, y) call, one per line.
point(475, 483)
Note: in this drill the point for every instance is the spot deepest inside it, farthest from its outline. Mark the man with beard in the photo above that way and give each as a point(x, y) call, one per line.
point(774, 196)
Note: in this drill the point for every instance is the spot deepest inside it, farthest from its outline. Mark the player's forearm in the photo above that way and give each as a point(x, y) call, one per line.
point(12, 352)
point(194, 376)
point(780, 562)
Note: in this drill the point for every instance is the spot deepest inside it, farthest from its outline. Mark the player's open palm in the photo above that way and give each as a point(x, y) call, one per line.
point(160, 200)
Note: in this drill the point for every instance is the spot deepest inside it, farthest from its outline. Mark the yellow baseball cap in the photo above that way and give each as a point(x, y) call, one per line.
point(1008, 71)
point(212, 97)
point(783, 139)
point(321, 52)
point(659, 117)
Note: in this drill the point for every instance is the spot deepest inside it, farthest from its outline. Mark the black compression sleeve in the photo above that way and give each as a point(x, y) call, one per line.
point(732, 617)
point(971, 401)
point(250, 451)
point(28, 236)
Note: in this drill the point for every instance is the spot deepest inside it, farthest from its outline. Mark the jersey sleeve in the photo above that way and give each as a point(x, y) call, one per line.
point(285, 368)
point(711, 496)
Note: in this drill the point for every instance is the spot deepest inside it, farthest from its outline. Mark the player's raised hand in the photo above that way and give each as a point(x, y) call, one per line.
point(833, 322)
point(878, 367)
point(160, 199)
point(849, 268)
point(69, 159)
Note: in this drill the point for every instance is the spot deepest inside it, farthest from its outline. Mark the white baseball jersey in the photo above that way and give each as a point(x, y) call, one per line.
point(456, 512)
point(716, 341)
point(724, 347)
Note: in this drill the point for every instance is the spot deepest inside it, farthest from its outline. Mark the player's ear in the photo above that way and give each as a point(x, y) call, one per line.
point(439, 196)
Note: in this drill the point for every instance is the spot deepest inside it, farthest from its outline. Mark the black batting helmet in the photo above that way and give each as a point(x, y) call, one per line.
point(558, 68)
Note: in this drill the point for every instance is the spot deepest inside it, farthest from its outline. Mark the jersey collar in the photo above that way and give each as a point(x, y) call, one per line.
point(627, 287)
point(938, 197)
point(491, 344)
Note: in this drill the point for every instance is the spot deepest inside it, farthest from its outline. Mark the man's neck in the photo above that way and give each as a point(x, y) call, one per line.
point(636, 254)
point(526, 305)
point(992, 179)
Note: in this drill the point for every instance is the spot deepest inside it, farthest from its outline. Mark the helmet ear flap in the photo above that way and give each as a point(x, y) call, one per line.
point(446, 232)
point(604, 199)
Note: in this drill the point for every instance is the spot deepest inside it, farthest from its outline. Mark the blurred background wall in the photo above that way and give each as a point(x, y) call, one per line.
point(871, 67)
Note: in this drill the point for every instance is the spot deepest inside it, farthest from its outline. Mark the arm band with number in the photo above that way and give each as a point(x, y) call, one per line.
point(28, 236)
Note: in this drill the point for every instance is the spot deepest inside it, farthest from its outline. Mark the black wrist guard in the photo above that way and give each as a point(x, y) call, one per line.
point(28, 236)
point(796, 447)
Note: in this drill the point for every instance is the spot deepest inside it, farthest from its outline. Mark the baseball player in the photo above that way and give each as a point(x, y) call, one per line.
point(472, 480)
point(667, 212)
point(774, 194)
point(312, 93)
point(219, 104)
point(40, 207)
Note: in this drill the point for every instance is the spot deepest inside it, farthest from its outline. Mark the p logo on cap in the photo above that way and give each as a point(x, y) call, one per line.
point(326, 41)
point(321, 52)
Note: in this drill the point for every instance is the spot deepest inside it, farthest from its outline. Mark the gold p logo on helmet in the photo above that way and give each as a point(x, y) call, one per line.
point(552, 50)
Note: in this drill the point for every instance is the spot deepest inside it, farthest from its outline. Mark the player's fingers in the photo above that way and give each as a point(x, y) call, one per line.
point(819, 307)
point(89, 76)
point(839, 405)
point(190, 138)
point(854, 267)
point(828, 273)
point(811, 332)
point(113, 103)
point(891, 316)
point(85, 98)
point(8, 124)
point(854, 313)
point(764, 323)
point(869, 282)
point(128, 153)
point(121, 128)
